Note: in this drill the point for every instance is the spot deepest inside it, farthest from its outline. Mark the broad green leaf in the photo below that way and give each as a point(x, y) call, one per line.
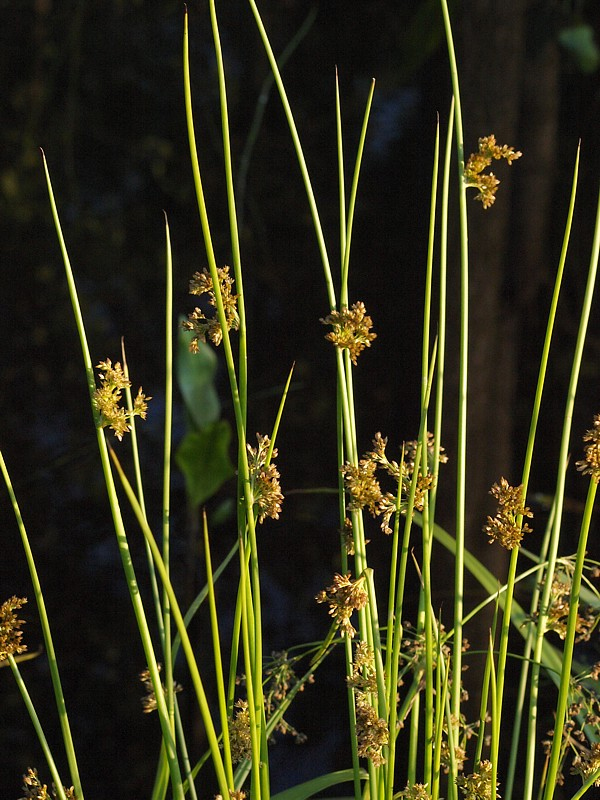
point(310, 788)
point(578, 40)
point(195, 376)
point(203, 457)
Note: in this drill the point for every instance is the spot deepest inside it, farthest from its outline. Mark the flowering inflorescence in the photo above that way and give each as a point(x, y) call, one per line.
point(34, 789)
point(372, 731)
point(487, 183)
point(581, 730)
point(10, 628)
point(107, 399)
point(364, 489)
point(149, 699)
point(204, 327)
point(351, 329)
point(344, 597)
point(280, 679)
point(418, 791)
point(478, 785)
point(559, 606)
point(264, 478)
point(240, 740)
point(507, 527)
point(590, 465)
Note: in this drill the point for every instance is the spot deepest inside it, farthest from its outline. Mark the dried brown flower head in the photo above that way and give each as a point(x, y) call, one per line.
point(264, 477)
point(351, 329)
point(478, 785)
point(107, 399)
point(590, 465)
point(344, 597)
point(204, 327)
point(149, 699)
point(487, 183)
point(505, 527)
point(10, 628)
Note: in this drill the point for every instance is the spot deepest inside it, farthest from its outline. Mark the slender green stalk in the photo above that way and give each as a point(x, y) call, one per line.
point(525, 481)
point(47, 634)
point(568, 650)
point(166, 489)
point(299, 154)
point(181, 628)
point(352, 201)
point(233, 223)
point(565, 677)
point(38, 727)
point(116, 515)
point(463, 373)
point(216, 647)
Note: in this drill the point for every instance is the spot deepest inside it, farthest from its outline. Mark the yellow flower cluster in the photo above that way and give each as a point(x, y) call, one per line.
point(504, 527)
point(204, 327)
point(108, 396)
point(487, 183)
point(10, 628)
point(351, 329)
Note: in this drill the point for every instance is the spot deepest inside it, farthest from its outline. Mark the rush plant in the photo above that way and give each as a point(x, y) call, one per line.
point(407, 733)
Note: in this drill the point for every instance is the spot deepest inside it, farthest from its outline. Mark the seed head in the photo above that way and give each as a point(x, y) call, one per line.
point(487, 183)
point(10, 624)
point(108, 396)
point(344, 596)
point(351, 329)
point(505, 526)
point(204, 327)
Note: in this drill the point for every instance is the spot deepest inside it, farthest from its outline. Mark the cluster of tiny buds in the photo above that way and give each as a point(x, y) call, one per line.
point(506, 527)
point(108, 396)
point(487, 183)
point(10, 628)
point(34, 789)
point(351, 329)
point(344, 597)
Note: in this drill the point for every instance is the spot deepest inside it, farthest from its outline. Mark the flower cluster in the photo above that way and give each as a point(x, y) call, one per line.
point(34, 789)
point(587, 762)
point(505, 526)
point(487, 183)
point(418, 791)
point(372, 732)
point(204, 327)
point(478, 785)
point(264, 477)
point(10, 628)
point(582, 727)
point(149, 699)
point(107, 399)
point(351, 329)
point(365, 491)
point(590, 465)
point(234, 794)
point(344, 597)
point(239, 733)
point(280, 679)
point(559, 606)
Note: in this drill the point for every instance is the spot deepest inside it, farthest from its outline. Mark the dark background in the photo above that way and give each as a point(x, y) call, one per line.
point(98, 85)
